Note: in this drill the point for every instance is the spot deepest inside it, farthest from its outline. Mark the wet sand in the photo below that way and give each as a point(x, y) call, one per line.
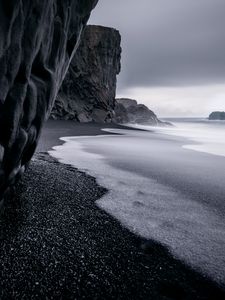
point(159, 191)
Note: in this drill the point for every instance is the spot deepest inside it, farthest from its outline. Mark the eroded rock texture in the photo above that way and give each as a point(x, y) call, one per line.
point(88, 91)
point(37, 42)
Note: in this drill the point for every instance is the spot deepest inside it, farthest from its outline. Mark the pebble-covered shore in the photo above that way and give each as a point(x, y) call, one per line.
point(57, 244)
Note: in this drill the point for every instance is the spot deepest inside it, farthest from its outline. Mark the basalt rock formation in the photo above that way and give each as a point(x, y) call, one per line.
point(129, 111)
point(217, 115)
point(88, 91)
point(37, 42)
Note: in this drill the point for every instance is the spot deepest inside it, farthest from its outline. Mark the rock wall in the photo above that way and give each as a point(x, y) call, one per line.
point(37, 42)
point(88, 91)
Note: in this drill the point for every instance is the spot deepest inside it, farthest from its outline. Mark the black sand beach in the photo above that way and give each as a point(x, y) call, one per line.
point(53, 130)
point(57, 244)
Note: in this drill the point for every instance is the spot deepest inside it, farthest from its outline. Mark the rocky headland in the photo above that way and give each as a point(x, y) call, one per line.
point(217, 115)
point(129, 111)
point(89, 89)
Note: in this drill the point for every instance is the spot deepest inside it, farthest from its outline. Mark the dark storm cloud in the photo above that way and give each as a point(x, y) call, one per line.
point(168, 42)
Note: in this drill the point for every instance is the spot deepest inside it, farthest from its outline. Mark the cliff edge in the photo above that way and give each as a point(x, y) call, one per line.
point(88, 91)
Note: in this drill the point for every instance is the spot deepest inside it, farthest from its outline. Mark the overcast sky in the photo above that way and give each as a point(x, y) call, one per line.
point(173, 53)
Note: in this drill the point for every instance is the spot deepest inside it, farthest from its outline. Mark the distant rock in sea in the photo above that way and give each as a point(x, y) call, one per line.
point(129, 111)
point(217, 115)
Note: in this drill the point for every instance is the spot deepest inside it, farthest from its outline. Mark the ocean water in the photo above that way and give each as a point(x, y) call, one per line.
point(201, 134)
point(162, 186)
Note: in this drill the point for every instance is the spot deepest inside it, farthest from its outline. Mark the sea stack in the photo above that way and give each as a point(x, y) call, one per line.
point(38, 41)
point(88, 91)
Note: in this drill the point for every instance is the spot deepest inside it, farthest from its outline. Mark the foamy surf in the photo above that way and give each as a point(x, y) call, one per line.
point(203, 136)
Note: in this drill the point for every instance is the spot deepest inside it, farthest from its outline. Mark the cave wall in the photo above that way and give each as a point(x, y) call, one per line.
point(37, 42)
point(88, 91)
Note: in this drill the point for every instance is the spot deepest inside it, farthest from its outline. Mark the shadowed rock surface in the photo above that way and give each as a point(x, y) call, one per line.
point(129, 111)
point(37, 41)
point(217, 115)
point(88, 91)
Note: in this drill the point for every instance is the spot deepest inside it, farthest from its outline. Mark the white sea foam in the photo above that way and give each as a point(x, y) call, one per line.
point(204, 136)
point(152, 210)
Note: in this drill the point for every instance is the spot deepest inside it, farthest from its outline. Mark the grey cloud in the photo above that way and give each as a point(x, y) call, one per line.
point(168, 42)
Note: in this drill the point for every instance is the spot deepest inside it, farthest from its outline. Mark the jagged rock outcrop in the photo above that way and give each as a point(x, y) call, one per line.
point(217, 115)
point(37, 41)
point(88, 91)
point(129, 111)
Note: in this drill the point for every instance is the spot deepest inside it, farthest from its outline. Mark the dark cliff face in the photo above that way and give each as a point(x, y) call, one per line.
point(37, 42)
point(217, 115)
point(129, 111)
point(88, 91)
